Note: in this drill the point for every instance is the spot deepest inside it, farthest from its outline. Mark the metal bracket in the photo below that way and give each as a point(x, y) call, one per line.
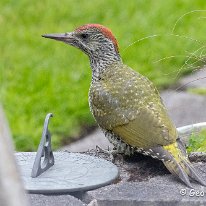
point(44, 151)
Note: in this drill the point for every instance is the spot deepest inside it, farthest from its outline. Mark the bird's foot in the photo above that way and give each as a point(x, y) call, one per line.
point(112, 153)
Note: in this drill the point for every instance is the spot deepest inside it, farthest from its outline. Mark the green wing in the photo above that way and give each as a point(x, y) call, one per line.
point(129, 105)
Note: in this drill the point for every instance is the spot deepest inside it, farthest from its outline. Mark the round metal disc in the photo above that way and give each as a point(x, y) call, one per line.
point(70, 172)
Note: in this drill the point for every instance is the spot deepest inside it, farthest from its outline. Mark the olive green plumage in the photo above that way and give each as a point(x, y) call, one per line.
point(127, 103)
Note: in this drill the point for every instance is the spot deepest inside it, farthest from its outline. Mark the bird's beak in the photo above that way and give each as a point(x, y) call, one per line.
point(65, 37)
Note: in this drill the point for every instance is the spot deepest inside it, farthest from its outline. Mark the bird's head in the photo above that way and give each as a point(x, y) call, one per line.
point(95, 40)
point(90, 38)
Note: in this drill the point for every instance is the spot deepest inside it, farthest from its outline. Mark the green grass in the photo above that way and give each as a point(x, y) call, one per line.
point(200, 91)
point(197, 143)
point(38, 75)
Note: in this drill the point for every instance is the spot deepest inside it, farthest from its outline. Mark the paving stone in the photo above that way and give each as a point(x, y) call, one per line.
point(51, 200)
point(158, 191)
point(185, 108)
point(194, 80)
point(164, 189)
point(89, 142)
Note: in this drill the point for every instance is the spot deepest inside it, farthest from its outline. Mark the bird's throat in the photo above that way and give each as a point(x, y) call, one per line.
point(100, 65)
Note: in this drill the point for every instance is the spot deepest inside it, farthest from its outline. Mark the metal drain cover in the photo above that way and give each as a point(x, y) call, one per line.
point(71, 172)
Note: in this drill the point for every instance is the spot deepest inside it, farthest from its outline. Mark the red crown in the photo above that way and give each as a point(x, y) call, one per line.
point(107, 32)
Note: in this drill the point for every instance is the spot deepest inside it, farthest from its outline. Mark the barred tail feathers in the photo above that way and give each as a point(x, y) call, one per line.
point(178, 164)
point(175, 159)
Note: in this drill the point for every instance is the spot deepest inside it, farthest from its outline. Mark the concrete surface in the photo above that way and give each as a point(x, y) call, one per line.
point(57, 200)
point(144, 181)
point(185, 108)
point(161, 190)
point(194, 80)
point(89, 142)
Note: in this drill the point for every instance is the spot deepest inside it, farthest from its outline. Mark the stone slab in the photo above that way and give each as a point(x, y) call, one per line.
point(194, 80)
point(157, 191)
point(89, 142)
point(161, 189)
point(58, 200)
point(185, 108)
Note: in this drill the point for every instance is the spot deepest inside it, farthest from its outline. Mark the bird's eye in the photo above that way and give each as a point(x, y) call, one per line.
point(84, 36)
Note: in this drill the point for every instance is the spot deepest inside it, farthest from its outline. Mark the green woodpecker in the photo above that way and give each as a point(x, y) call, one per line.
point(126, 105)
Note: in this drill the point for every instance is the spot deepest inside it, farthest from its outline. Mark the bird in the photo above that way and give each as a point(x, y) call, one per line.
point(126, 105)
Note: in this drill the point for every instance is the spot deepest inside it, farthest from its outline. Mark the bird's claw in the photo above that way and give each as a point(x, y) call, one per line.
point(110, 152)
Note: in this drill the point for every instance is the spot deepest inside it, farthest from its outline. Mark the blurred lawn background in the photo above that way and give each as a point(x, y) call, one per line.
point(38, 75)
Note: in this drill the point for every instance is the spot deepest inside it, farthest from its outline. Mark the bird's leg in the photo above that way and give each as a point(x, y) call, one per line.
point(111, 152)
